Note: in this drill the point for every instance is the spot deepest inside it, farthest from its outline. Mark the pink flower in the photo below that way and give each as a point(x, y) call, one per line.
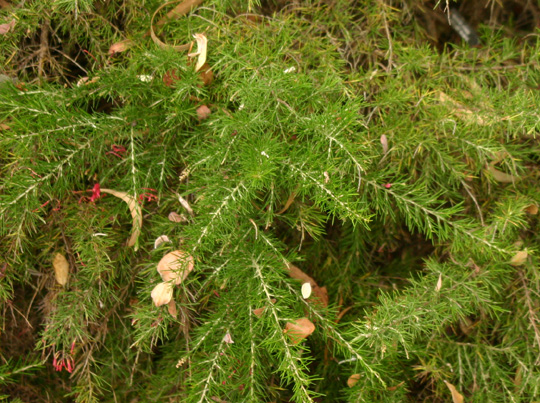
point(96, 192)
point(388, 185)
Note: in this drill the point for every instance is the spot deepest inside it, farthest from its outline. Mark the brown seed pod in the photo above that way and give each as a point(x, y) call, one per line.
point(175, 266)
point(61, 269)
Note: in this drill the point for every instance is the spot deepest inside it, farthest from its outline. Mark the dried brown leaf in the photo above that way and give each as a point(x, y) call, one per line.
point(299, 330)
point(203, 112)
point(501, 176)
point(353, 380)
point(175, 266)
point(175, 217)
point(120, 47)
point(384, 143)
point(202, 46)
point(532, 209)
point(439, 283)
point(519, 258)
point(456, 396)
point(172, 308)
point(61, 269)
point(136, 214)
point(162, 294)
point(259, 311)
point(319, 294)
point(161, 240)
point(8, 26)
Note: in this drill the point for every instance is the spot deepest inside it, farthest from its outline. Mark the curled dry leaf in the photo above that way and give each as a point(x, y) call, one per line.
point(161, 240)
point(259, 311)
point(175, 266)
point(306, 290)
point(384, 143)
point(61, 269)
point(519, 258)
point(171, 77)
point(120, 47)
point(456, 396)
point(207, 76)
point(439, 283)
point(532, 209)
point(228, 339)
point(8, 26)
point(172, 308)
point(175, 217)
point(4, 127)
point(203, 112)
point(501, 176)
point(353, 380)
point(186, 205)
point(136, 214)
point(202, 45)
point(162, 294)
point(299, 330)
point(320, 294)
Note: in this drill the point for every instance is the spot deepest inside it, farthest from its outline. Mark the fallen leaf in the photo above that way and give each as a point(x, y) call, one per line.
point(228, 339)
point(5, 28)
point(171, 77)
point(319, 294)
point(120, 47)
point(384, 143)
point(175, 217)
point(161, 240)
point(299, 330)
point(500, 176)
point(532, 209)
point(519, 258)
point(175, 266)
point(4, 127)
point(136, 214)
point(353, 380)
point(162, 294)
point(87, 81)
point(259, 311)
point(461, 111)
point(202, 45)
point(186, 205)
point(203, 112)
point(61, 269)
point(207, 76)
point(306, 290)
point(172, 308)
point(456, 396)
point(439, 283)
point(392, 388)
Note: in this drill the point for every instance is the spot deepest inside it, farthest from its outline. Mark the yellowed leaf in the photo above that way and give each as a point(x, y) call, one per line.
point(8, 26)
point(500, 176)
point(519, 258)
point(353, 380)
point(61, 269)
point(299, 330)
point(172, 308)
point(439, 283)
point(120, 47)
point(456, 396)
point(461, 111)
point(532, 209)
point(202, 45)
point(162, 294)
point(136, 214)
point(175, 266)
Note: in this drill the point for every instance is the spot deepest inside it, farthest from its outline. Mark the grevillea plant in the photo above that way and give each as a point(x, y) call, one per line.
point(304, 202)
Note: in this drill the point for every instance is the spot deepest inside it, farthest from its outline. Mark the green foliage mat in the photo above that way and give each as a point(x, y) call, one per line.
point(356, 146)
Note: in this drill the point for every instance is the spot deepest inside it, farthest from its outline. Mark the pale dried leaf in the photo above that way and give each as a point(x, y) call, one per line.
point(186, 205)
point(136, 214)
point(439, 283)
point(456, 396)
point(175, 217)
point(532, 209)
point(161, 240)
point(8, 26)
point(202, 45)
point(353, 380)
point(172, 308)
point(306, 290)
point(175, 266)
point(384, 143)
point(320, 294)
point(162, 294)
point(203, 112)
point(228, 339)
point(299, 330)
point(120, 47)
point(4, 127)
point(461, 111)
point(501, 176)
point(259, 311)
point(519, 258)
point(61, 269)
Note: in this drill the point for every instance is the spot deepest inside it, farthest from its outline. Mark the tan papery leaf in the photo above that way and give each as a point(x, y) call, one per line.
point(384, 143)
point(162, 294)
point(519, 258)
point(228, 339)
point(299, 330)
point(175, 217)
point(175, 266)
point(202, 45)
point(120, 47)
point(136, 214)
point(61, 269)
point(353, 380)
point(203, 112)
point(161, 240)
point(320, 294)
point(532, 209)
point(8, 26)
point(456, 396)
point(500, 176)
point(172, 308)
point(439, 283)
